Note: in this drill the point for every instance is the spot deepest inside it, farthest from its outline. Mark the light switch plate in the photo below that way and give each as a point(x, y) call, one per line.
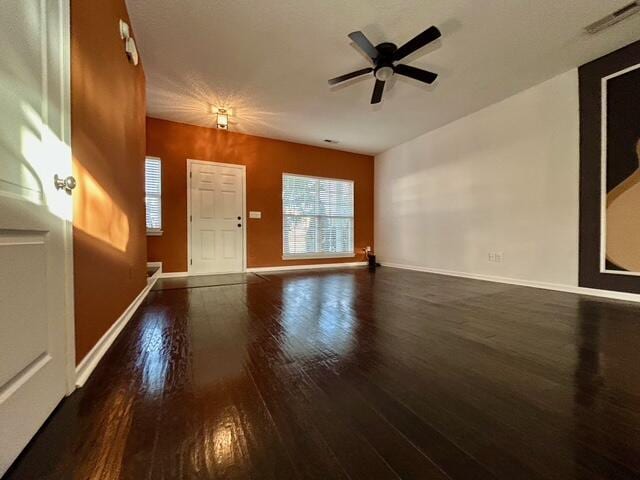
point(255, 214)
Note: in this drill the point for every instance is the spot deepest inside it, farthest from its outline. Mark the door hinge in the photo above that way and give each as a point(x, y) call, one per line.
point(191, 218)
point(191, 262)
point(190, 174)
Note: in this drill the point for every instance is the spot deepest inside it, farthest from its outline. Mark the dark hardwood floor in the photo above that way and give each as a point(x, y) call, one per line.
point(352, 374)
point(207, 281)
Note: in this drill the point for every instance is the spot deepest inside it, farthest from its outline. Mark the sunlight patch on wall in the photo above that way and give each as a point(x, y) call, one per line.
point(96, 213)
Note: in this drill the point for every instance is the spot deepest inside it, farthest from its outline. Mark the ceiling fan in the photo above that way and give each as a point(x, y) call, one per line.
point(384, 56)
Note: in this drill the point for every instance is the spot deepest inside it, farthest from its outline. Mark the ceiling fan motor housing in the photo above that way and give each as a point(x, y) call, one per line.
point(384, 61)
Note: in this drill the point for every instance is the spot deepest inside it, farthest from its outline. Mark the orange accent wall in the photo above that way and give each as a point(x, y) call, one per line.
point(108, 145)
point(266, 160)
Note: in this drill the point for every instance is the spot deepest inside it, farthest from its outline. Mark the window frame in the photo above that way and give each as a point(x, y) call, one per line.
point(153, 232)
point(319, 255)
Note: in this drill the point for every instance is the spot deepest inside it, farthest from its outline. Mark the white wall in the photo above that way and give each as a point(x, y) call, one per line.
point(504, 179)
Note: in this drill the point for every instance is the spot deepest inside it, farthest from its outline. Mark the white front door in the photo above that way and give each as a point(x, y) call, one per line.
point(35, 234)
point(216, 217)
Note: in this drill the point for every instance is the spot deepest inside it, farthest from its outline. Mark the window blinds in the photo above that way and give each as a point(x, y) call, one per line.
point(153, 193)
point(317, 216)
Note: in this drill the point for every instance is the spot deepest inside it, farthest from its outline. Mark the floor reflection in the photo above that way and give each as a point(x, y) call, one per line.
point(318, 317)
point(153, 359)
point(607, 389)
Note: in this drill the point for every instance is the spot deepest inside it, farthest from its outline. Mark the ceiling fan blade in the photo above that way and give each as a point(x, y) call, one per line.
point(348, 76)
point(429, 35)
point(365, 45)
point(377, 92)
point(417, 73)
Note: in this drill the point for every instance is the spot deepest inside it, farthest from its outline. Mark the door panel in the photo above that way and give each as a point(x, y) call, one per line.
point(24, 255)
point(217, 218)
point(229, 210)
point(229, 244)
point(208, 244)
point(207, 202)
point(35, 218)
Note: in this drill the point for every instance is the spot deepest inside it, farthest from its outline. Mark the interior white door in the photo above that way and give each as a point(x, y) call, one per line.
point(217, 221)
point(35, 240)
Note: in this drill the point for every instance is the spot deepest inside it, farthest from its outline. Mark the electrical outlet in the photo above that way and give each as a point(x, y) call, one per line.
point(495, 257)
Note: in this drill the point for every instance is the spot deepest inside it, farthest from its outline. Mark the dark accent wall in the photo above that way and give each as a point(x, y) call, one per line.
point(108, 145)
point(590, 76)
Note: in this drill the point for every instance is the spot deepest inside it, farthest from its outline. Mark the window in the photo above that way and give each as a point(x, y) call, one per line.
point(153, 195)
point(317, 217)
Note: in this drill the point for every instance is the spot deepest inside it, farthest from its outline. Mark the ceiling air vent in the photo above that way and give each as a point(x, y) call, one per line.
point(615, 17)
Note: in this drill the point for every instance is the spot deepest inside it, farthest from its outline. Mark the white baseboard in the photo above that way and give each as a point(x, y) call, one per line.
point(183, 274)
point(85, 368)
point(157, 274)
point(268, 269)
point(174, 274)
point(630, 297)
point(192, 274)
point(306, 267)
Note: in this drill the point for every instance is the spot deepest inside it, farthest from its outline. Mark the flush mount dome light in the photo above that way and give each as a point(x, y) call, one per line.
point(384, 73)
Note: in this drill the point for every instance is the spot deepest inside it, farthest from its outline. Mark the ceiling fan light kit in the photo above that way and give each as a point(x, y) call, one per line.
point(383, 73)
point(384, 57)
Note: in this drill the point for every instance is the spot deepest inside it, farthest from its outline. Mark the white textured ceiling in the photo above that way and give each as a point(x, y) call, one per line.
point(269, 60)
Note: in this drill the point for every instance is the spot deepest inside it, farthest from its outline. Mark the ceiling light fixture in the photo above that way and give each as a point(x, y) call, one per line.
point(384, 73)
point(222, 117)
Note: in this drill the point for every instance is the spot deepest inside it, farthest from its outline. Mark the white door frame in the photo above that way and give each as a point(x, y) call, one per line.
point(65, 114)
point(243, 170)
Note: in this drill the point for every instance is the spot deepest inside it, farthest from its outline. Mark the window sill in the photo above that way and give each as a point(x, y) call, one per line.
point(154, 233)
point(319, 256)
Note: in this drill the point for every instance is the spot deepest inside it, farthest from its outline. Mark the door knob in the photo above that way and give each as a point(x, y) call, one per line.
point(239, 218)
point(67, 184)
point(239, 225)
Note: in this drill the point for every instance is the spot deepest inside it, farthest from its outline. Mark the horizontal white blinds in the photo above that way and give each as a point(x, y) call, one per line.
point(153, 193)
point(317, 216)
